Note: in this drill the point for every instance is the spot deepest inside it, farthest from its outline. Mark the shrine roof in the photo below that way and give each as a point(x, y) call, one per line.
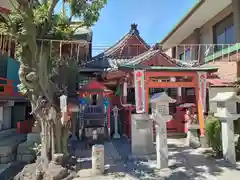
point(225, 96)
point(133, 32)
point(107, 62)
point(114, 63)
point(162, 68)
point(95, 85)
point(147, 55)
point(104, 59)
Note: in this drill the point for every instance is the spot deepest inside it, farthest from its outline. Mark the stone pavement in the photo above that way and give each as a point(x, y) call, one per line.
point(184, 164)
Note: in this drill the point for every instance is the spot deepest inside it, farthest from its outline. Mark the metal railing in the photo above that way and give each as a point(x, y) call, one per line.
point(204, 53)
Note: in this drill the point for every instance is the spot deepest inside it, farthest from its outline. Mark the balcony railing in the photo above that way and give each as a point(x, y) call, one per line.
point(204, 53)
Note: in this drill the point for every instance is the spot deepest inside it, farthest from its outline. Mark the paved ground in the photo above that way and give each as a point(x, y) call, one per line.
point(184, 164)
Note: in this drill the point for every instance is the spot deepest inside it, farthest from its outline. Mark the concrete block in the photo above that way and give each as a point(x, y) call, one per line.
point(142, 135)
point(98, 159)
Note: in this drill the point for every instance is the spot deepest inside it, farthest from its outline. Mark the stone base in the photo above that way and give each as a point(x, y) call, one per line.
point(56, 172)
point(193, 137)
point(26, 157)
point(141, 135)
point(143, 157)
point(204, 142)
point(7, 154)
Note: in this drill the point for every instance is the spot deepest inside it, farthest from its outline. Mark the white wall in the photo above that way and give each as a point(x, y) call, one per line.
point(232, 107)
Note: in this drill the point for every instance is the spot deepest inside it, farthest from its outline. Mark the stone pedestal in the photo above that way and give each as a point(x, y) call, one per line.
point(161, 141)
point(193, 136)
point(228, 141)
point(142, 135)
point(98, 159)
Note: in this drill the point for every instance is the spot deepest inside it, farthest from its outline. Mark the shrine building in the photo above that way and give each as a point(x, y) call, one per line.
point(132, 51)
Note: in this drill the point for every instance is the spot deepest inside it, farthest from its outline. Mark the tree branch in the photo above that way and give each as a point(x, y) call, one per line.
point(74, 30)
point(49, 16)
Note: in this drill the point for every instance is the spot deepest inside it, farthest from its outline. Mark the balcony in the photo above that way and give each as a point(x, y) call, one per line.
point(205, 53)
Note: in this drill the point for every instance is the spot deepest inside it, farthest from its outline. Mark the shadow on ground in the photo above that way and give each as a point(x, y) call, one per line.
point(12, 171)
point(184, 163)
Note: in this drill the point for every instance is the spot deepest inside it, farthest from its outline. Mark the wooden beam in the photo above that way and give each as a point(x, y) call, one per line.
point(151, 84)
point(169, 73)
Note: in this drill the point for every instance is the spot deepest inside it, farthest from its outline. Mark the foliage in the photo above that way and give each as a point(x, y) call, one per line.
point(36, 149)
point(44, 65)
point(213, 133)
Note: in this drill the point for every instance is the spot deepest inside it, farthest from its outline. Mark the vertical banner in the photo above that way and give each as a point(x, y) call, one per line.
point(139, 91)
point(202, 82)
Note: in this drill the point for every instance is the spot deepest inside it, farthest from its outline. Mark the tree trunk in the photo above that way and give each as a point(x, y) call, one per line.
point(54, 138)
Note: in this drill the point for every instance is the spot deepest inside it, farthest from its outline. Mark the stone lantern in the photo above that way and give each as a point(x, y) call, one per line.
point(160, 115)
point(227, 119)
point(160, 103)
point(115, 115)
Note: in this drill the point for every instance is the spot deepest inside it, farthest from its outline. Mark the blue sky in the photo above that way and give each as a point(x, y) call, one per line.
point(155, 18)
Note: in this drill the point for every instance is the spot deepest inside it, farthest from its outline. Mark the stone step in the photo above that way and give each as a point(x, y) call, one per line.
point(8, 147)
point(6, 133)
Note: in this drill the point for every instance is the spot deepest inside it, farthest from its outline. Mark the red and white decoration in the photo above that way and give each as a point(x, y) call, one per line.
point(202, 82)
point(139, 91)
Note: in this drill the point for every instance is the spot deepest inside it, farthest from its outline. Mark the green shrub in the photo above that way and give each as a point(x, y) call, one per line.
point(213, 134)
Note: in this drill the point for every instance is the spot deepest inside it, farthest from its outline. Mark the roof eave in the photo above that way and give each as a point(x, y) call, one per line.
point(158, 68)
point(185, 18)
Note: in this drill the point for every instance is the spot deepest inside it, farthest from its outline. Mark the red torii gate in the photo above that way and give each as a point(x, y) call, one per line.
point(147, 77)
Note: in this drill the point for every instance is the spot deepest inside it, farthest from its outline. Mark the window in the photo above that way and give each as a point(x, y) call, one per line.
point(224, 33)
point(94, 99)
point(185, 56)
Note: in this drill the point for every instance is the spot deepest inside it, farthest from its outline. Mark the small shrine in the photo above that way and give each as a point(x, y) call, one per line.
point(94, 110)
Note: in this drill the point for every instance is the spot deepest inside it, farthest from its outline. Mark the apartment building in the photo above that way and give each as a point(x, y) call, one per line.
point(209, 35)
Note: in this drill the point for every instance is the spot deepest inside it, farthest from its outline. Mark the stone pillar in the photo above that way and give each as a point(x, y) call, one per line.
point(98, 159)
point(115, 115)
point(228, 144)
point(161, 141)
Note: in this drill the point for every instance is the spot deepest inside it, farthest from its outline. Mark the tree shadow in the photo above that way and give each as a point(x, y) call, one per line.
point(184, 163)
point(11, 172)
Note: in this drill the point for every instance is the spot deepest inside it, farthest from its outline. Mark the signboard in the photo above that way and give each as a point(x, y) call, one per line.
point(139, 91)
point(63, 103)
point(202, 82)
